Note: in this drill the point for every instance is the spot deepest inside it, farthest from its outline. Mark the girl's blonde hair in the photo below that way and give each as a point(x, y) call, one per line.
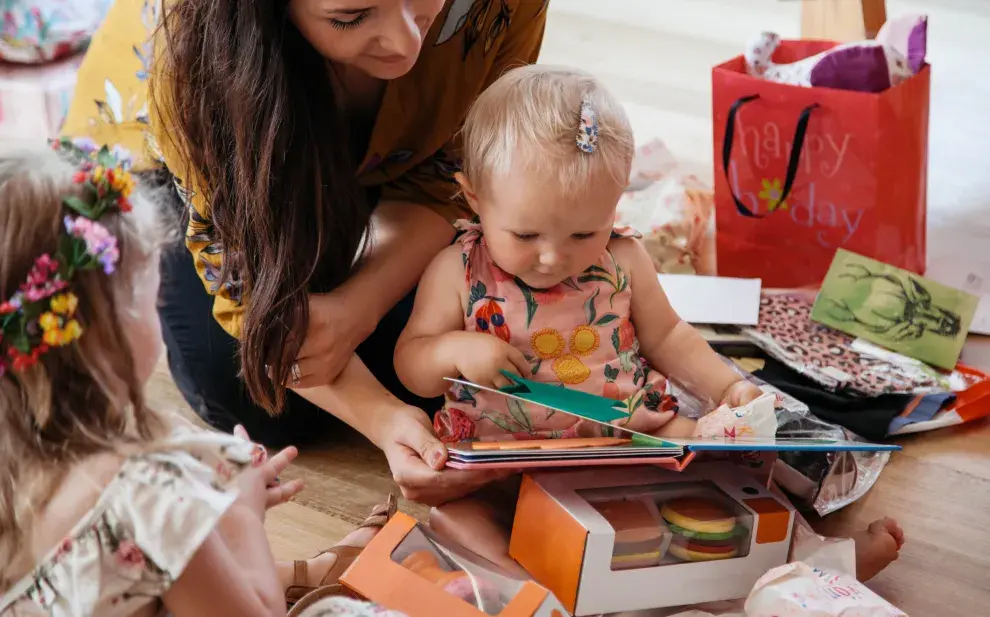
point(84, 398)
point(530, 117)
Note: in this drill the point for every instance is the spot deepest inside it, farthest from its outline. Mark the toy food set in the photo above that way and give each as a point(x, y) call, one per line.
point(643, 537)
point(406, 568)
point(744, 429)
point(803, 591)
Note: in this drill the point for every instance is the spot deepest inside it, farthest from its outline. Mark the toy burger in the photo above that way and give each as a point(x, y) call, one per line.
point(639, 535)
point(703, 529)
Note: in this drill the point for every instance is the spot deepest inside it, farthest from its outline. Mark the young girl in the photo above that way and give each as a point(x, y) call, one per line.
point(546, 288)
point(104, 509)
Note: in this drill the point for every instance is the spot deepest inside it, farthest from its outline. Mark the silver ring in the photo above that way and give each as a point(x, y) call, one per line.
point(296, 374)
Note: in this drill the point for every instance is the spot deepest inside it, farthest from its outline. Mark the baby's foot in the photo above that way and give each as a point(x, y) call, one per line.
point(877, 547)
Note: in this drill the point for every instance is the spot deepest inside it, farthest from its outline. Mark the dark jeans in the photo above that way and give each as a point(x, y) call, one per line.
point(203, 360)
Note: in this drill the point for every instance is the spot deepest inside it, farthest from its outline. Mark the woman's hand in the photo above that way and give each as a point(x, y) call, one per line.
point(338, 323)
point(481, 358)
point(417, 458)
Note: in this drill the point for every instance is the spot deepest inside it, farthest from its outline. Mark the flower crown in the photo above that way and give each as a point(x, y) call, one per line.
point(41, 314)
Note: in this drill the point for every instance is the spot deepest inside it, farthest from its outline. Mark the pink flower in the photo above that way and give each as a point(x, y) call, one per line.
point(129, 555)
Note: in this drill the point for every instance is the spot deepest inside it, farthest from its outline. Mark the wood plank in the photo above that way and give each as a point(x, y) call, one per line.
point(842, 20)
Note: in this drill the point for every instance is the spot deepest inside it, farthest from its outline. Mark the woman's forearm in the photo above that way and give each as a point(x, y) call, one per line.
point(404, 239)
point(357, 398)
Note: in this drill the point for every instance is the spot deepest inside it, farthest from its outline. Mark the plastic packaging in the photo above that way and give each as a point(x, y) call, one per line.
point(456, 571)
point(38, 31)
point(822, 481)
point(672, 523)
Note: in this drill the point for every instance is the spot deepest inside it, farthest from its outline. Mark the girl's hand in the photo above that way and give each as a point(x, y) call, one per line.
point(740, 393)
point(481, 358)
point(261, 487)
point(338, 323)
point(417, 459)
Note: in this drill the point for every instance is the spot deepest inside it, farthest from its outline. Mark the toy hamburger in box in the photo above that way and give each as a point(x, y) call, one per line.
point(636, 538)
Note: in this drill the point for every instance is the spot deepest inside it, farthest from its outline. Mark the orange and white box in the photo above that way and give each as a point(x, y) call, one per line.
point(406, 568)
point(627, 539)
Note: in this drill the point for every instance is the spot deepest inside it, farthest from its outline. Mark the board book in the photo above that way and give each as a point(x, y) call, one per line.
point(624, 448)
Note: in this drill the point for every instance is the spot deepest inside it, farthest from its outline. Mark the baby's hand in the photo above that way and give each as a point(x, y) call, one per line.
point(481, 358)
point(740, 393)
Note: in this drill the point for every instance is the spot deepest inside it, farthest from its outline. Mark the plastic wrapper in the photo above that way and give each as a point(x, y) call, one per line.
point(799, 590)
point(820, 481)
point(672, 209)
point(457, 571)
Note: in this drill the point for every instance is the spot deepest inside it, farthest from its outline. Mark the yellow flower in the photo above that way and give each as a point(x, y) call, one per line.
point(98, 173)
point(52, 338)
point(547, 343)
point(72, 331)
point(122, 182)
point(771, 193)
point(570, 370)
point(65, 304)
point(48, 322)
point(585, 341)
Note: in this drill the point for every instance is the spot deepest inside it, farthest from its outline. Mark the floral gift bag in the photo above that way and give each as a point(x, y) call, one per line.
point(37, 31)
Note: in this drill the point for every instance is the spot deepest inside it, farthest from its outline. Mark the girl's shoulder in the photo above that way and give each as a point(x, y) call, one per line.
point(146, 525)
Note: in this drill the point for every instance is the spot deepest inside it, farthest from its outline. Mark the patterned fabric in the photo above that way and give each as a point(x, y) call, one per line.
point(346, 607)
point(827, 356)
point(146, 526)
point(413, 150)
point(578, 334)
point(37, 31)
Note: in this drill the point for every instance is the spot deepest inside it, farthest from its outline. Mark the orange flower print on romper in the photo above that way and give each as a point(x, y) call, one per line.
point(490, 318)
point(453, 426)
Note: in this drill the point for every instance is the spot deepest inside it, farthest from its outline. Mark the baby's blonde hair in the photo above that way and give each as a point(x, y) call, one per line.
point(86, 397)
point(531, 116)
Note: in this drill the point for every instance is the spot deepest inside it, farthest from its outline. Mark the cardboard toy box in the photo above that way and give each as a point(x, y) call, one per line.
point(406, 568)
point(624, 539)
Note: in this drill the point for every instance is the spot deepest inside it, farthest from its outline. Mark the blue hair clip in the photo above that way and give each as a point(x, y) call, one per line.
point(587, 136)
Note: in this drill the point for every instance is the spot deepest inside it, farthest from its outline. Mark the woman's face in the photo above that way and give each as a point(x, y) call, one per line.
point(382, 38)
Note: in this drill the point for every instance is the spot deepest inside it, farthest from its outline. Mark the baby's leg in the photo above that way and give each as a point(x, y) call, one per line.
point(478, 525)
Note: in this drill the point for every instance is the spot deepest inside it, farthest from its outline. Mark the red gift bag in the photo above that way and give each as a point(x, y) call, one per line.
point(801, 172)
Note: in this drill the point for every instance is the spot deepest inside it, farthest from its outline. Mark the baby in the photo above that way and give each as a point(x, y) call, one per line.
point(545, 287)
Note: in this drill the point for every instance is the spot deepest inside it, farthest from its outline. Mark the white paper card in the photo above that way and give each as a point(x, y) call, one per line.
point(971, 277)
point(713, 299)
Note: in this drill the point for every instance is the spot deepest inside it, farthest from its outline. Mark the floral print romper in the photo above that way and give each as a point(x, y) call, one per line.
point(578, 334)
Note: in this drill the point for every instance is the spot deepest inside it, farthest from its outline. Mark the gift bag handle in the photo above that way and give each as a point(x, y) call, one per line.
point(792, 164)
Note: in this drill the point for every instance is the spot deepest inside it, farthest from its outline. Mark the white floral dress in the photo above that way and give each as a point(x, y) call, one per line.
point(145, 528)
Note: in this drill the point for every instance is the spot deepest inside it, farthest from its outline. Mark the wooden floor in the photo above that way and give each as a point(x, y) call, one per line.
point(656, 55)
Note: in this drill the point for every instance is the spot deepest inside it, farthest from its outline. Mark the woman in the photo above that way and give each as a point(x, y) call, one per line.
point(313, 142)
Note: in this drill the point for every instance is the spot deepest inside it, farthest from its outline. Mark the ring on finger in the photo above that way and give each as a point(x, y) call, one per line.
point(276, 482)
point(296, 374)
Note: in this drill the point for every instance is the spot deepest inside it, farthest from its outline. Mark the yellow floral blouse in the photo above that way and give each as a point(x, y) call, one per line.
point(412, 152)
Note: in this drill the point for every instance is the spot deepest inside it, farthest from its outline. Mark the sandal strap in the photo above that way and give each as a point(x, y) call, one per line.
point(382, 513)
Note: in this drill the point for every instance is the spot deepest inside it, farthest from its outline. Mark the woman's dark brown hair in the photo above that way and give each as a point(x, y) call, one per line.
point(251, 107)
